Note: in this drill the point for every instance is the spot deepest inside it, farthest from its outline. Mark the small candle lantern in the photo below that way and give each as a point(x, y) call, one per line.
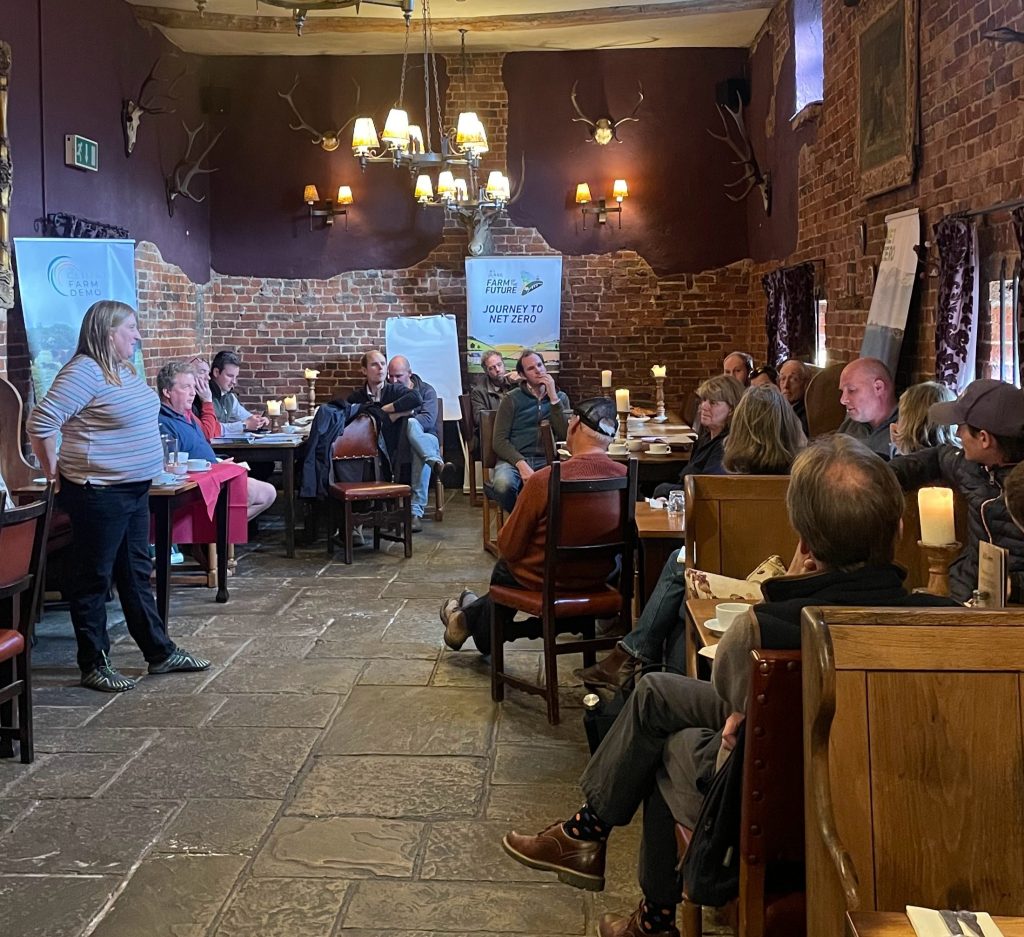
point(658, 373)
point(311, 377)
point(938, 536)
point(606, 380)
point(622, 409)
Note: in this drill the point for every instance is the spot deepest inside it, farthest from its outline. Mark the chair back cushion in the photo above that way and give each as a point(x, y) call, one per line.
point(359, 441)
point(824, 411)
point(16, 542)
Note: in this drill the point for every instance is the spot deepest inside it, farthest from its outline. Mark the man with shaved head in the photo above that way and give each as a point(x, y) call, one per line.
point(794, 376)
point(867, 391)
point(421, 432)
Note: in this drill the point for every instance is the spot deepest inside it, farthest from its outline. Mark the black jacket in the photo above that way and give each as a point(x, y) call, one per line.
point(389, 432)
point(987, 517)
point(328, 425)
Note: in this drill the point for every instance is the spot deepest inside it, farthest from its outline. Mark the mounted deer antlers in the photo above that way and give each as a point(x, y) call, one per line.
point(132, 109)
point(181, 176)
point(752, 174)
point(604, 129)
point(479, 219)
point(329, 140)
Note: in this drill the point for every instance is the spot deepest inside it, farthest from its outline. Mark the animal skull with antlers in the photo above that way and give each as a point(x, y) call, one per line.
point(181, 176)
point(752, 174)
point(604, 129)
point(328, 139)
point(132, 109)
point(479, 219)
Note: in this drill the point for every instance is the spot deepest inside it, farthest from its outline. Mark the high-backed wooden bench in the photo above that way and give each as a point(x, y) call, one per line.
point(913, 761)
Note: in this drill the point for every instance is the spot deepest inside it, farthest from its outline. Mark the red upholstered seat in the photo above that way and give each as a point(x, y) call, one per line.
point(11, 643)
point(365, 491)
point(602, 604)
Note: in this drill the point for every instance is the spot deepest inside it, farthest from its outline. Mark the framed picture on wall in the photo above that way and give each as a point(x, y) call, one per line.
point(887, 107)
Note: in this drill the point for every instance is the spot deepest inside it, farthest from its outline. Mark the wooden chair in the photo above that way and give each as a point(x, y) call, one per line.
point(771, 811)
point(691, 404)
point(494, 515)
point(389, 504)
point(553, 606)
point(468, 431)
point(824, 411)
point(22, 549)
point(913, 753)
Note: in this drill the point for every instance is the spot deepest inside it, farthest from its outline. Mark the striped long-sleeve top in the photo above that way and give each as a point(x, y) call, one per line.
point(109, 433)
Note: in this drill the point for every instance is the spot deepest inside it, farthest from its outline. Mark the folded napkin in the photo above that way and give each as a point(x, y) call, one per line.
point(927, 923)
point(657, 504)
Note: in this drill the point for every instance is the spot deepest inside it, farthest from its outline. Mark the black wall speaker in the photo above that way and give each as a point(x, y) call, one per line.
point(726, 92)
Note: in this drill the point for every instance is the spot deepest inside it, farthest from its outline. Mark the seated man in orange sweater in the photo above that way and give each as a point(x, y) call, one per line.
point(521, 541)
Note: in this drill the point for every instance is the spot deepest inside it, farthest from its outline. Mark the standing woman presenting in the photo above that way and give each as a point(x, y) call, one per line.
point(110, 451)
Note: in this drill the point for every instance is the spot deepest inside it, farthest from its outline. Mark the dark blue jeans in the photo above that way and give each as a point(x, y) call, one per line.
point(110, 527)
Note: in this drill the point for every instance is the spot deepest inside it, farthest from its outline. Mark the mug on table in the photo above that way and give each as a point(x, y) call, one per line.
point(728, 613)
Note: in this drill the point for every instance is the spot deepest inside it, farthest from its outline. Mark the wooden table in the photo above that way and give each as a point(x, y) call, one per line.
point(698, 613)
point(897, 924)
point(287, 453)
point(164, 502)
point(659, 534)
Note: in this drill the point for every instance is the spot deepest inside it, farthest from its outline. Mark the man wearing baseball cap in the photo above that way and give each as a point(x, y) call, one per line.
point(990, 424)
point(522, 540)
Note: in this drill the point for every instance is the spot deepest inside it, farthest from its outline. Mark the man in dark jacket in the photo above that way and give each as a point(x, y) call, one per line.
point(990, 423)
point(674, 730)
point(488, 392)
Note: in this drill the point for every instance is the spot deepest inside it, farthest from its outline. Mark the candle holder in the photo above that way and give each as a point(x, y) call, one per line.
point(939, 556)
point(623, 424)
point(275, 421)
point(290, 414)
point(311, 399)
point(659, 392)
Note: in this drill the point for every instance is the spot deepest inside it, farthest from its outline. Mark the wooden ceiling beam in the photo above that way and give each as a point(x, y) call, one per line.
point(224, 22)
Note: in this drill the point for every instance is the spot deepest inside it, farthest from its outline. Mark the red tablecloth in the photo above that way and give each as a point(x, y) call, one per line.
point(196, 522)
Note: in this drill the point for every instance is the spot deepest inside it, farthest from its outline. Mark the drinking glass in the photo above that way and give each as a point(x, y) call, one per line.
point(676, 502)
point(170, 444)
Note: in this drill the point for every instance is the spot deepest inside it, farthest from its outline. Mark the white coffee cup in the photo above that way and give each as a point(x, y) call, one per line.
point(617, 448)
point(634, 445)
point(728, 612)
point(659, 448)
point(198, 465)
point(180, 466)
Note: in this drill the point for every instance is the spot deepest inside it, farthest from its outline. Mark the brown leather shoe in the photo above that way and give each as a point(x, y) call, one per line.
point(618, 669)
point(615, 925)
point(577, 862)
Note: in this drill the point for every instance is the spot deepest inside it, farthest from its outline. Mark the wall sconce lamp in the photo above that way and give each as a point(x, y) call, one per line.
point(601, 209)
point(310, 196)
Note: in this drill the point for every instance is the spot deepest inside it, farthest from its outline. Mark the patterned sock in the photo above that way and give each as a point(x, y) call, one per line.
point(587, 825)
point(655, 918)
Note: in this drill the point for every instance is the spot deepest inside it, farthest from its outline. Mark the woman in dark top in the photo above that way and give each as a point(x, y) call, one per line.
point(719, 396)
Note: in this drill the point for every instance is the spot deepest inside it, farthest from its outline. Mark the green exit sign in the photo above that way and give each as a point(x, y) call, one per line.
point(81, 152)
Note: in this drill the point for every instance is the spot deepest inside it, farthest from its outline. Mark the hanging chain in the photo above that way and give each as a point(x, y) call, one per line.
point(405, 56)
point(437, 95)
point(426, 74)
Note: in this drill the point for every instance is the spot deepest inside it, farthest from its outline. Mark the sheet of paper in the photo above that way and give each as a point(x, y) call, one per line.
point(992, 575)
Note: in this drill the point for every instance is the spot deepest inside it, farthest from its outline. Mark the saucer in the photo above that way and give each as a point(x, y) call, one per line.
point(200, 471)
point(652, 450)
point(714, 627)
point(708, 651)
point(613, 450)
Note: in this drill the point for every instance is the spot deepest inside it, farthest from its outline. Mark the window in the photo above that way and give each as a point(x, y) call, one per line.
point(809, 53)
point(998, 355)
point(820, 354)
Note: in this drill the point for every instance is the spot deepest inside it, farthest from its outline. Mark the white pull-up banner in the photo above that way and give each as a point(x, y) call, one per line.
point(431, 343)
point(513, 303)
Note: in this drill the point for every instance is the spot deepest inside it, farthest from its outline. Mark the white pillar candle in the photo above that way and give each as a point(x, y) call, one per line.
point(622, 400)
point(935, 505)
point(658, 370)
point(290, 403)
point(606, 378)
point(273, 408)
point(310, 373)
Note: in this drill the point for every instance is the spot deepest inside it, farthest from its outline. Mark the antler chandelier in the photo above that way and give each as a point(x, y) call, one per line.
point(301, 8)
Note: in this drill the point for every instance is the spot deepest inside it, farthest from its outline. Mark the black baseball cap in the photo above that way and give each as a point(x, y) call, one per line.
point(599, 414)
point(994, 406)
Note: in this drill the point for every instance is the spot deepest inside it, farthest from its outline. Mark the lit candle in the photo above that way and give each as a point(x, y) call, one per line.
point(622, 400)
point(310, 374)
point(935, 505)
point(658, 370)
point(606, 378)
point(290, 403)
point(273, 408)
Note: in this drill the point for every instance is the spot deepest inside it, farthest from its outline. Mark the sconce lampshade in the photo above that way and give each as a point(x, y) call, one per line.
point(469, 133)
point(619, 190)
point(364, 135)
point(344, 195)
point(505, 190)
point(310, 195)
point(396, 129)
point(582, 193)
point(493, 187)
point(461, 190)
point(446, 183)
point(415, 139)
point(424, 190)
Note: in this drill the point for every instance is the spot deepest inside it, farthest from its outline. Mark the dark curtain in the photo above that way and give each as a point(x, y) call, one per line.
point(789, 316)
point(956, 318)
point(64, 225)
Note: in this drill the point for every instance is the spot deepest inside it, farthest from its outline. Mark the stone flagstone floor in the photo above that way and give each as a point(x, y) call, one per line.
point(337, 772)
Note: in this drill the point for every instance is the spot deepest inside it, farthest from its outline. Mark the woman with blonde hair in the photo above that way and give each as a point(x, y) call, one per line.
point(719, 396)
point(913, 430)
point(110, 452)
point(765, 435)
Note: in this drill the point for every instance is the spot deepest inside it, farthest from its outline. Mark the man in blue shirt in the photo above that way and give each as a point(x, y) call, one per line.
point(176, 385)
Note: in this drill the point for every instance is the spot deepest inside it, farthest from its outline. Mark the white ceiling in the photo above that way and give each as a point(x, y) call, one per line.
point(246, 27)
